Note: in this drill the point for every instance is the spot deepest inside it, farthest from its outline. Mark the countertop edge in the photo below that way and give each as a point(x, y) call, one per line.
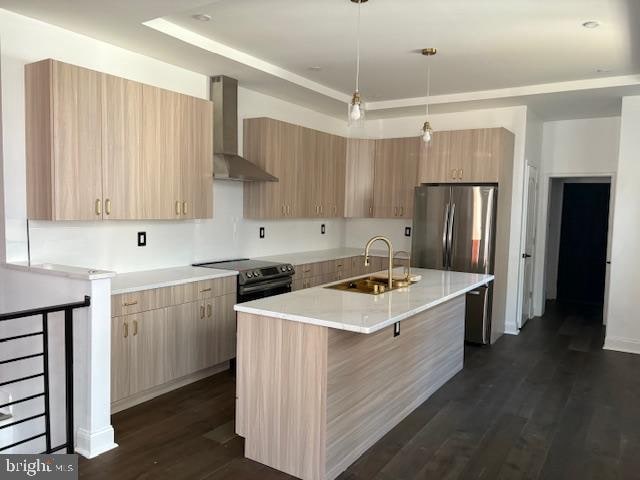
point(356, 329)
point(66, 271)
point(172, 283)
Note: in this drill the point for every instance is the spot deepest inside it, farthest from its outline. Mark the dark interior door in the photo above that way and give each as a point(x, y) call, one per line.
point(583, 242)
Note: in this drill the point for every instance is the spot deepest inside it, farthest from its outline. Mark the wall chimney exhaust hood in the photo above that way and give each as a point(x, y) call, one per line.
point(227, 164)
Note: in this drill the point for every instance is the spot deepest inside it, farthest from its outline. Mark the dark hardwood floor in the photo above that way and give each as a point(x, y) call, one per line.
point(547, 404)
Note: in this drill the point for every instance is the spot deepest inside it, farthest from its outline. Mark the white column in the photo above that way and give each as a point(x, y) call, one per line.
point(92, 362)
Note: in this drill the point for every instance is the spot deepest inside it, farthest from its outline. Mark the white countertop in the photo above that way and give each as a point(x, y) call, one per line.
point(300, 258)
point(60, 270)
point(166, 277)
point(363, 313)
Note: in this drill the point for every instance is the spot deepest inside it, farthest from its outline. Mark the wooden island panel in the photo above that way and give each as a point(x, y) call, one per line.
point(311, 399)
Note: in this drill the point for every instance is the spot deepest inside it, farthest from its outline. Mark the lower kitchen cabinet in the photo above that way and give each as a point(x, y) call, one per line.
point(169, 345)
point(318, 273)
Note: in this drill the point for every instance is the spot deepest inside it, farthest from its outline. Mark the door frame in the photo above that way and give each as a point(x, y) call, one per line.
point(541, 246)
point(523, 240)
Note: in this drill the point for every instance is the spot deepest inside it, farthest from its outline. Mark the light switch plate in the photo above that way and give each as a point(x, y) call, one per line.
point(407, 231)
point(323, 229)
point(142, 239)
point(261, 232)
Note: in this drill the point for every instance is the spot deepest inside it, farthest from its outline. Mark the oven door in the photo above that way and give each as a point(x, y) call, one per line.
point(264, 289)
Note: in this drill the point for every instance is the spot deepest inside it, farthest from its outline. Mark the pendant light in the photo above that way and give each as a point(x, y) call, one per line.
point(356, 107)
point(427, 132)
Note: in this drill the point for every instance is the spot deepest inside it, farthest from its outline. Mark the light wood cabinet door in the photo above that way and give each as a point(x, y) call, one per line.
point(125, 189)
point(275, 147)
point(408, 167)
point(161, 151)
point(360, 158)
point(435, 160)
point(77, 117)
point(291, 174)
point(486, 155)
point(385, 177)
point(181, 355)
point(224, 332)
point(147, 343)
point(395, 176)
point(336, 176)
point(120, 359)
point(63, 141)
point(196, 157)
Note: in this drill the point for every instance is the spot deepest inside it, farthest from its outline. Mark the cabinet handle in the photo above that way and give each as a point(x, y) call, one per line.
point(177, 207)
point(98, 206)
point(284, 210)
point(205, 290)
point(454, 174)
point(402, 211)
point(201, 311)
point(126, 329)
point(209, 310)
point(370, 210)
point(321, 209)
point(130, 304)
point(135, 328)
point(288, 210)
point(395, 211)
point(461, 173)
point(184, 208)
point(107, 206)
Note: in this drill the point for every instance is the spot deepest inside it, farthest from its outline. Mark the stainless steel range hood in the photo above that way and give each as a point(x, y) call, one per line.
point(227, 164)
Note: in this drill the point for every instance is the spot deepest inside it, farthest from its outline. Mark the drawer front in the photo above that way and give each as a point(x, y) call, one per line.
point(135, 302)
point(216, 287)
point(310, 270)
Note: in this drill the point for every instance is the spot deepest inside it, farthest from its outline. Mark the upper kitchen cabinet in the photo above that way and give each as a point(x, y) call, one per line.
point(100, 147)
point(63, 141)
point(123, 169)
point(359, 178)
point(467, 156)
point(395, 176)
point(309, 165)
point(276, 147)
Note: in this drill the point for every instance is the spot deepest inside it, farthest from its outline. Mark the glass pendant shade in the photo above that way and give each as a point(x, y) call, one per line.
point(427, 132)
point(356, 111)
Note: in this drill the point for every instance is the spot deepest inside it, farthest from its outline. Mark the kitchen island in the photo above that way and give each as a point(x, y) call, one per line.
point(322, 374)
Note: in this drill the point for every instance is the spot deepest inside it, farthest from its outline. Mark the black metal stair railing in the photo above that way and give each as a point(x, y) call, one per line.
point(68, 366)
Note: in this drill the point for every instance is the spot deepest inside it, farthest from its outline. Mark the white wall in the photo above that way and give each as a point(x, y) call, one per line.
point(112, 245)
point(511, 118)
point(585, 147)
point(623, 327)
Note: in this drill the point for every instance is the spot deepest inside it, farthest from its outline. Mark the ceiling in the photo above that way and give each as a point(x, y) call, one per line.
point(490, 52)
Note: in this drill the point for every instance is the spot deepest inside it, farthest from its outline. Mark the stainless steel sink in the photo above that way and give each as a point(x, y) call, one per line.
point(369, 285)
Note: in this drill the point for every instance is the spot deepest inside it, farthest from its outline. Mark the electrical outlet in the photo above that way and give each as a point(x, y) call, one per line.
point(142, 239)
point(323, 229)
point(407, 231)
point(261, 232)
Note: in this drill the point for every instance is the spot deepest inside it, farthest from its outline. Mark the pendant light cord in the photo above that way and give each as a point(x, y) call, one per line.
point(428, 86)
point(358, 48)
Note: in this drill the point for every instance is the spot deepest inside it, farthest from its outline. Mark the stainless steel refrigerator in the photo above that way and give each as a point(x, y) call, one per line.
point(454, 229)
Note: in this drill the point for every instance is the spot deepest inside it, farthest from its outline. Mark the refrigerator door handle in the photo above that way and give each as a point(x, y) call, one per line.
point(452, 218)
point(445, 230)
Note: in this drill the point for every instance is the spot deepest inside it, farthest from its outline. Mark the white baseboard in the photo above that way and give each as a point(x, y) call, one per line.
point(92, 444)
point(622, 344)
point(511, 329)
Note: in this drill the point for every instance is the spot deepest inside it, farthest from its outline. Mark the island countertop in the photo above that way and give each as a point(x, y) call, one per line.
point(363, 313)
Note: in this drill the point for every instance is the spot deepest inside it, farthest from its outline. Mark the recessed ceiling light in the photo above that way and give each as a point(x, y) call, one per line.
point(203, 17)
point(315, 68)
point(591, 24)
